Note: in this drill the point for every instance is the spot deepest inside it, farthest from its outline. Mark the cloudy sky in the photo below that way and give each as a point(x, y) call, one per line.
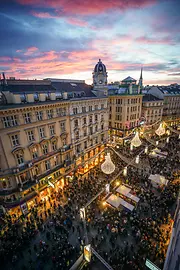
point(65, 39)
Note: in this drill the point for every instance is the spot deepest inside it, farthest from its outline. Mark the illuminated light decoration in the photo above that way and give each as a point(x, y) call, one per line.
point(125, 171)
point(161, 130)
point(82, 213)
point(131, 147)
point(137, 159)
point(51, 184)
point(136, 141)
point(117, 146)
point(108, 166)
point(168, 132)
point(117, 183)
point(87, 253)
point(107, 188)
point(167, 140)
point(146, 150)
point(104, 203)
point(157, 142)
point(179, 136)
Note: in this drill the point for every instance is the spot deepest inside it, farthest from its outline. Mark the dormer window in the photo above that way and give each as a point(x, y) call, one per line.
point(23, 97)
point(47, 95)
point(58, 95)
point(36, 97)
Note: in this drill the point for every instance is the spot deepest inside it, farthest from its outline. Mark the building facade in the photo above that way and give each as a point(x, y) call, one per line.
point(50, 131)
point(125, 103)
point(171, 100)
point(152, 109)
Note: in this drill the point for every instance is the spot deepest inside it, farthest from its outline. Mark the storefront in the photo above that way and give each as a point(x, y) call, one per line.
point(44, 194)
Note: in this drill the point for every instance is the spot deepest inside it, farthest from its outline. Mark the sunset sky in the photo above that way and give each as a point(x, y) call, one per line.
point(65, 39)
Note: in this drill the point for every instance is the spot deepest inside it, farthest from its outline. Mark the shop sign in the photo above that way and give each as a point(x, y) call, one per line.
point(87, 253)
point(151, 265)
point(24, 208)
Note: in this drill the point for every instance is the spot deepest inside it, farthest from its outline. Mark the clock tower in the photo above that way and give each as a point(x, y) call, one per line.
point(100, 78)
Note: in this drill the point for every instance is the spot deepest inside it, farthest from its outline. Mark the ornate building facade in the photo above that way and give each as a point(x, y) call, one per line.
point(50, 131)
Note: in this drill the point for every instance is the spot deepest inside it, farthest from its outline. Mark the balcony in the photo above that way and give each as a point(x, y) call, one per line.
point(66, 148)
point(6, 192)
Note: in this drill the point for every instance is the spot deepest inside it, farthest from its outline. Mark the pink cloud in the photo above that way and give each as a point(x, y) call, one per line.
point(31, 50)
point(77, 22)
point(147, 40)
point(43, 15)
point(89, 6)
point(4, 58)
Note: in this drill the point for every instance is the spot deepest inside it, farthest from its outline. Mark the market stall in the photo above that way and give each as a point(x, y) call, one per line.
point(158, 180)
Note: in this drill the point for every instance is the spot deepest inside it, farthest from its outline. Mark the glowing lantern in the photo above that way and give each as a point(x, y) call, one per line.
point(125, 171)
point(161, 130)
point(108, 166)
point(137, 159)
point(136, 141)
point(146, 150)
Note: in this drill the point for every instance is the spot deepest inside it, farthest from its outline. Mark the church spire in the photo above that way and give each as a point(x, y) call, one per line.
point(141, 79)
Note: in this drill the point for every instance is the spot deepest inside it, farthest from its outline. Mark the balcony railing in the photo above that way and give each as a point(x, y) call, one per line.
point(5, 192)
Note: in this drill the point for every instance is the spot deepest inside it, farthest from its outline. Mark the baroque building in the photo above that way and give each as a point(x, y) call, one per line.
point(50, 131)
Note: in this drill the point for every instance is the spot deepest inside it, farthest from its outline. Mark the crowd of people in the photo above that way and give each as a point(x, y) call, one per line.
point(53, 238)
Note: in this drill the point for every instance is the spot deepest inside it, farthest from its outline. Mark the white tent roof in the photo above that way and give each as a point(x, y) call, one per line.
point(159, 179)
point(116, 201)
point(123, 190)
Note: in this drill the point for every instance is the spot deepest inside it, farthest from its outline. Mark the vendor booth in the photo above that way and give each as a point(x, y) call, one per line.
point(158, 180)
point(116, 201)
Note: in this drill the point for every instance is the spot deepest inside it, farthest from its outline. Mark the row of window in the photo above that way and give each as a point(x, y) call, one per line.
point(91, 131)
point(10, 121)
point(42, 134)
point(154, 111)
point(80, 147)
point(45, 149)
point(86, 109)
point(96, 118)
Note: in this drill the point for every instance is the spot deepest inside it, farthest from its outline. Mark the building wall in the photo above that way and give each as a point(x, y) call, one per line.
point(124, 111)
point(28, 140)
point(152, 111)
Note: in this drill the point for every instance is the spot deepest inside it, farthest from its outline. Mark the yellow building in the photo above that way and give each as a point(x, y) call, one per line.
point(125, 103)
point(44, 138)
point(171, 100)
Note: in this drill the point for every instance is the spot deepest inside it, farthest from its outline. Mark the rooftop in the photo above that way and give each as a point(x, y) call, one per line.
point(149, 97)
